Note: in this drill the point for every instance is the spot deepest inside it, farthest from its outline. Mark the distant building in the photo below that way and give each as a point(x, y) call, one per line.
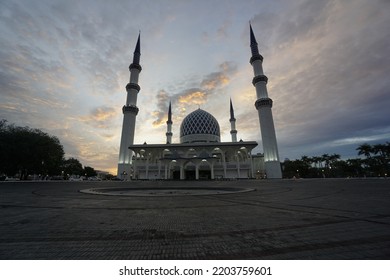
point(102, 174)
point(200, 153)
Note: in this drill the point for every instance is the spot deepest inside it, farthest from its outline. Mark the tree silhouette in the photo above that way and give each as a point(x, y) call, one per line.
point(28, 151)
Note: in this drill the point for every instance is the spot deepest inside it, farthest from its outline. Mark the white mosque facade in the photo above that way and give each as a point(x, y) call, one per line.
point(200, 153)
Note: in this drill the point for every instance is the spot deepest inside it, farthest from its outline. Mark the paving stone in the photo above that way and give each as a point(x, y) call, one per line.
point(281, 219)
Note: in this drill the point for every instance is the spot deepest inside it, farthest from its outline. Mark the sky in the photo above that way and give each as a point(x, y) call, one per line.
point(64, 68)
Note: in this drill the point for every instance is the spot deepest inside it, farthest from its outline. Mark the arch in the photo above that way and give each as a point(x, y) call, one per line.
point(191, 152)
point(205, 170)
point(190, 170)
point(244, 150)
point(173, 163)
point(204, 162)
point(165, 153)
point(174, 173)
point(187, 162)
point(218, 151)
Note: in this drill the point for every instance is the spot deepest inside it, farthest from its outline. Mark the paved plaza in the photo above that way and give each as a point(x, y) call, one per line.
point(280, 219)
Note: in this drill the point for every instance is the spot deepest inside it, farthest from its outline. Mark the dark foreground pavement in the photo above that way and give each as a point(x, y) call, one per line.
point(282, 219)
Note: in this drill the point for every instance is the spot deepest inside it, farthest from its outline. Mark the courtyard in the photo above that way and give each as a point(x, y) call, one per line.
point(271, 219)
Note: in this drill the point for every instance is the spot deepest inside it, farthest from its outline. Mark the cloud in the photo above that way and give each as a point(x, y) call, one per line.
point(186, 97)
point(223, 30)
point(208, 85)
point(327, 63)
point(162, 105)
point(192, 96)
point(219, 79)
point(359, 140)
point(101, 117)
point(33, 84)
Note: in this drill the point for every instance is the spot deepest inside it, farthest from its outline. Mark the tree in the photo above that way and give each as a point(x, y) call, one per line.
point(307, 160)
point(325, 158)
point(377, 158)
point(89, 171)
point(375, 162)
point(364, 149)
point(28, 151)
point(72, 166)
point(333, 158)
point(355, 167)
point(381, 158)
point(296, 168)
point(318, 162)
point(334, 166)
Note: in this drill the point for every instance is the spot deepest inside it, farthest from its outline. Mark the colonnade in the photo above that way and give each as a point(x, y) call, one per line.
point(174, 162)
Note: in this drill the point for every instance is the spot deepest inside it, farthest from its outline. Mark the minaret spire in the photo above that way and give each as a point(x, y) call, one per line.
point(137, 51)
point(263, 105)
point(254, 46)
point(169, 113)
point(232, 120)
point(231, 110)
point(130, 111)
point(169, 125)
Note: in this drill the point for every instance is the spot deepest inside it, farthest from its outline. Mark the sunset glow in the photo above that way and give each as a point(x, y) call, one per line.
point(65, 68)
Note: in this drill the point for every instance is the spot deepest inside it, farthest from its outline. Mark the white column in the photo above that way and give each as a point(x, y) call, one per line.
point(251, 162)
point(147, 167)
point(223, 163)
point(134, 163)
point(238, 167)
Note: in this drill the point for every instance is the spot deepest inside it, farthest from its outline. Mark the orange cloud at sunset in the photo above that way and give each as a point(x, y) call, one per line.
point(197, 97)
point(220, 80)
point(100, 117)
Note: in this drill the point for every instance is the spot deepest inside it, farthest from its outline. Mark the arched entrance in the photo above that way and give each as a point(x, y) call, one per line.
point(197, 169)
point(190, 171)
point(204, 170)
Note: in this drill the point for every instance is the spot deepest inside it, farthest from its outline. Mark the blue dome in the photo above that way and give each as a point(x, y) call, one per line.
point(199, 126)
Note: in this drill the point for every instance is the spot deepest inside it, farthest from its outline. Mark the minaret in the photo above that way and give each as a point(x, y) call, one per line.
point(263, 105)
point(169, 125)
point(130, 111)
point(232, 120)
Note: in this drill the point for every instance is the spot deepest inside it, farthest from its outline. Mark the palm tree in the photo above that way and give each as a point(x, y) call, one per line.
point(318, 162)
point(334, 157)
point(379, 149)
point(387, 150)
point(325, 157)
point(380, 156)
point(306, 160)
point(365, 149)
point(356, 166)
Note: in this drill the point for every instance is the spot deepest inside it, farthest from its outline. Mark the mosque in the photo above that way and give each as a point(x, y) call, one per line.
point(200, 153)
